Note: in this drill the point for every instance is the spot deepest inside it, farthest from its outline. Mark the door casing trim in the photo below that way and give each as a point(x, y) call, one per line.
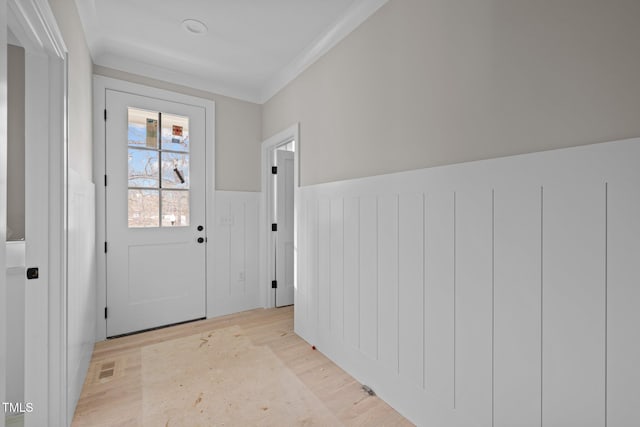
point(292, 133)
point(100, 86)
point(33, 23)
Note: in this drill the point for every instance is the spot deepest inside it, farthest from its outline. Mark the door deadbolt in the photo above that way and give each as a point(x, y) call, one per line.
point(33, 273)
point(200, 228)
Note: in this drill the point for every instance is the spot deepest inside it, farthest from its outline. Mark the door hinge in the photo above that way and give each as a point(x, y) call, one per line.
point(105, 114)
point(105, 180)
point(274, 227)
point(105, 247)
point(274, 284)
point(274, 170)
point(105, 312)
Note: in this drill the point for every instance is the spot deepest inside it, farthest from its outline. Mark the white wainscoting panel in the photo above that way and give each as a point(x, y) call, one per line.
point(388, 282)
point(517, 307)
point(502, 292)
point(623, 297)
point(82, 285)
point(351, 271)
point(336, 254)
point(573, 303)
point(235, 253)
point(368, 276)
point(411, 288)
point(439, 295)
point(473, 303)
point(313, 267)
point(324, 264)
point(14, 316)
point(300, 313)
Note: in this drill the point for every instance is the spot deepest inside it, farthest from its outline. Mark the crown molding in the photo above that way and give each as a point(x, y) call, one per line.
point(359, 12)
point(207, 84)
point(33, 24)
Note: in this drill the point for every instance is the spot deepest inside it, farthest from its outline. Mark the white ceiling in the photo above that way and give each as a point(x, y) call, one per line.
point(252, 49)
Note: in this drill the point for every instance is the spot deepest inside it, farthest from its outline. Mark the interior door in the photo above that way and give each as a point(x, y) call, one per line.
point(284, 238)
point(155, 198)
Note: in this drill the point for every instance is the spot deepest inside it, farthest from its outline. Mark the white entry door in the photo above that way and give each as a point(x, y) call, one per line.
point(155, 201)
point(284, 238)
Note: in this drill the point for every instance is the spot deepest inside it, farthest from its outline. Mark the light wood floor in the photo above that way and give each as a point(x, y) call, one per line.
point(112, 393)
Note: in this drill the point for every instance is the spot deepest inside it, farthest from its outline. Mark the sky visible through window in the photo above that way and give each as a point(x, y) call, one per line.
point(158, 169)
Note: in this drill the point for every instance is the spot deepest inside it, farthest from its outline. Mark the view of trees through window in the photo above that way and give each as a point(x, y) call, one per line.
point(158, 151)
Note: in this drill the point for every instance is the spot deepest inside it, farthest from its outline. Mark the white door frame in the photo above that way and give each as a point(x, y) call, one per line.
point(34, 25)
point(3, 203)
point(292, 133)
point(100, 86)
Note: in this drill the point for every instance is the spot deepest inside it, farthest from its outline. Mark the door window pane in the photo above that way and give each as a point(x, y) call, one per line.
point(175, 170)
point(175, 208)
point(175, 133)
point(143, 128)
point(143, 208)
point(158, 180)
point(143, 168)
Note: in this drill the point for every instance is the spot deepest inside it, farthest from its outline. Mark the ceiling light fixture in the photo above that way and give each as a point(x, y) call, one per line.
point(193, 26)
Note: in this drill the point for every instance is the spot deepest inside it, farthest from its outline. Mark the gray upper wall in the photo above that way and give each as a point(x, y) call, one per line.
point(238, 127)
point(433, 82)
point(421, 83)
point(80, 82)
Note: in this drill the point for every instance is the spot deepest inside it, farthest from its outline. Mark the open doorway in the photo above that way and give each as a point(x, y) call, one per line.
point(280, 183)
point(15, 273)
point(35, 306)
point(282, 226)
